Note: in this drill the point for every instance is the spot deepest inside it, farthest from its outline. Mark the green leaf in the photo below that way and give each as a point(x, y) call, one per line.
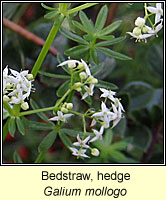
point(7, 107)
point(63, 89)
point(58, 76)
point(75, 51)
point(5, 129)
point(17, 158)
point(122, 145)
point(39, 126)
point(79, 26)
point(12, 126)
point(73, 36)
point(110, 42)
point(120, 129)
point(5, 115)
point(67, 142)
point(20, 125)
point(105, 37)
point(106, 85)
point(101, 18)
point(142, 136)
point(51, 14)
point(71, 132)
point(155, 60)
point(141, 94)
point(109, 29)
point(41, 114)
point(47, 7)
point(47, 142)
point(88, 25)
point(113, 54)
point(94, 56)
point(119, 157)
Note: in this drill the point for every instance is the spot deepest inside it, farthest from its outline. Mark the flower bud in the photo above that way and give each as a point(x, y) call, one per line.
point(95, 152)
point(8, 85)
point(13, 98)
point(145, 29)
point(69, 106)
point(83, 75)
point(30, 77)
point(64, 110)
point(78, 89)
point(137, 31)
point(24, 106)
point(71, 64)
point(6, 98)
point(80, 66)
point(94, 81)
point(140, 22)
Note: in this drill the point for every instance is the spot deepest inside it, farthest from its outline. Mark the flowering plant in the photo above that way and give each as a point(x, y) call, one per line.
point(86, 111)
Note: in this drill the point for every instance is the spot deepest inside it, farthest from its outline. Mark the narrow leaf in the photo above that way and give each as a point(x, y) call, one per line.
point(67, 142)
point(114, 54)
point(41, 114)
point(17, 158)
point(51, 15)
point(79, 26)
point(106, 85)
point(20, 125)
point(105, 37)
point(5, 130)
point(47, 7)
point(63, 89)
point(101, 18)
point(12, 126)
point(86, 22)
point(39, 126)
point(47, 142)
point(7, 107)
point(110, 42)
point(73, 36)
point(71, 132)
point(110, 28)
point(94, 56)
point(75, 51)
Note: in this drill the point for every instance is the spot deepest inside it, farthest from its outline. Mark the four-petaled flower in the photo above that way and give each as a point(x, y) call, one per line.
point(98, 134)
point(108, 94)
point(157, 10)
point(89, 91)
point(61, 117)
point(82, 143)
point(79, 153)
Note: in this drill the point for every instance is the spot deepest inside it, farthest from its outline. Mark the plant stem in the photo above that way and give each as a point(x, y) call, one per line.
point(45, 109)
point(84, 6)
point(40, 157)
point(46, 47)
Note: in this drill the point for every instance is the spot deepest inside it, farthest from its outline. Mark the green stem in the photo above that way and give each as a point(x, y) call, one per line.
point(45, 109)
point(5, 130)
point(84, 6)
point(46, 47)
point(40, 157)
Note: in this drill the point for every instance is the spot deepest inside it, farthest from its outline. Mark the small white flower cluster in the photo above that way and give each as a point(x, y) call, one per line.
point(16, 87)
point(104, 117)
point(142, 31)
point(87, 81)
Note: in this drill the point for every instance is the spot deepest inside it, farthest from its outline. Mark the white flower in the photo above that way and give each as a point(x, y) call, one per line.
point(86, 68)
point(141, 36)
point(140, 22)
point(118, 115)
point(70, 63)
point(5, 75)
point(118, 104)
point(157, 10)
point(108, 94)
point(93, 122)
point(98, 134)
point(79, 153)
point(82, 143)
point(105, 115)
point(157, 29)
point(61, 117)
point(89, 91)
